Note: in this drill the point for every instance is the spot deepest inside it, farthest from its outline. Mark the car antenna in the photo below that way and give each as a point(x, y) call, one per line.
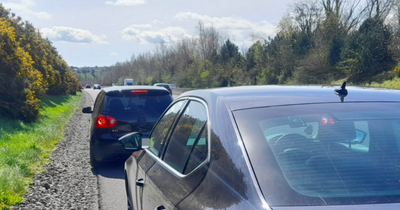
point(342, 92)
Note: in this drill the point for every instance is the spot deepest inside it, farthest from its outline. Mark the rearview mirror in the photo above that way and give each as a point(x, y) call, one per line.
point(87, 110)
point(131, 141)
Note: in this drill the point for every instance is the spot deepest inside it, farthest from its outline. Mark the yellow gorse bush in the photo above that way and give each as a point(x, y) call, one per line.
point(31, 67)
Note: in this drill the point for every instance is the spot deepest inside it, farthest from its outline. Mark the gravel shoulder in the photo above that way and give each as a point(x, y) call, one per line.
point(68, 182)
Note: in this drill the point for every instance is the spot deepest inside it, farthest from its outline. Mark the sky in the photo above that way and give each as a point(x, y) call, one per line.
point(104, 32)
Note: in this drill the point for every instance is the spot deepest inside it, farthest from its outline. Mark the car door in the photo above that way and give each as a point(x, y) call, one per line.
point(181, 166)
point(156, 144)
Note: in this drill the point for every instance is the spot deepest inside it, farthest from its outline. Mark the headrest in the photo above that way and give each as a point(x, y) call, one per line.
point(336, 131)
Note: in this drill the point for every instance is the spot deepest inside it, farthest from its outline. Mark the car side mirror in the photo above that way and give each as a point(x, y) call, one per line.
point(87, 110)
point(131, 141)
point(360, 137)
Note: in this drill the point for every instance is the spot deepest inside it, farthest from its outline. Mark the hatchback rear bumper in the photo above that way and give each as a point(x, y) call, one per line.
point(106, 148)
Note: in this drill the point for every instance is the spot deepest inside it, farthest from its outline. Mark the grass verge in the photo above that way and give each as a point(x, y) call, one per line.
point(393, 83)
point(25, 148)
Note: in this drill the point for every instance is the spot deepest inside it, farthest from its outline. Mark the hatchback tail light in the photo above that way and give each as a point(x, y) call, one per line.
point(105, 121)
point(139, 91)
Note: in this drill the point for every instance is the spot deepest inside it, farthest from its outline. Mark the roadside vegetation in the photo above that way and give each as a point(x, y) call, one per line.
point(318, 42)
point(26, 147)
point(30, 68)
point(393, 83)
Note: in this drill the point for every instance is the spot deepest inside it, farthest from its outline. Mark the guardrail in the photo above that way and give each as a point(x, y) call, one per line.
point(179, 91)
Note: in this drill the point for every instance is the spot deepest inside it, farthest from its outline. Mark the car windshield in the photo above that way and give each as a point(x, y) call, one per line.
point(324, 154)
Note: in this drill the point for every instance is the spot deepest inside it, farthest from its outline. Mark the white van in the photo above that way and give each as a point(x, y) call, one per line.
point(128, 81)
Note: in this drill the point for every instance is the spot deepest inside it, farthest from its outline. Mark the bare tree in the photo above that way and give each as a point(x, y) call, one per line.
point(208, 40)
point(379, 8)
point(347, 14)
point(307, 15)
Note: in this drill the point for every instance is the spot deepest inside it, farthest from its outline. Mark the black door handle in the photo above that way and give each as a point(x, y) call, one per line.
point(160, 208)
point(140, 182)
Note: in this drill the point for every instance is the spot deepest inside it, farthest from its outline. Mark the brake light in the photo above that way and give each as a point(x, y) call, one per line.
point(139, 91)
point(101, 122)
point(105, 121)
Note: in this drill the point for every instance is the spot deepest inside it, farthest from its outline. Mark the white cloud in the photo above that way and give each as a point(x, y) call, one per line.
point(157, 22)
point(126, 2)
point(239, 27)
point(68, 34)
point(113, 54)
point(146, 33)
point(22, 7)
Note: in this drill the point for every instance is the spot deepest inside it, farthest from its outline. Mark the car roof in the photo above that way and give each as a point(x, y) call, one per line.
point(244, 97)
point(161, 85)
point(133, 87)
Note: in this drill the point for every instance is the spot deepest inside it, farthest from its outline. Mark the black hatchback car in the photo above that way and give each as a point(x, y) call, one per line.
point(118, 111)
point(270, 147)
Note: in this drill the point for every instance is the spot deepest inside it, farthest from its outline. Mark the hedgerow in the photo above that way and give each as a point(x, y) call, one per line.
point(30, 67)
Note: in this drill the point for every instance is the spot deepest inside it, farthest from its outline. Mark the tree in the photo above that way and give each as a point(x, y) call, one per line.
point(208, 41)
point(368, 53)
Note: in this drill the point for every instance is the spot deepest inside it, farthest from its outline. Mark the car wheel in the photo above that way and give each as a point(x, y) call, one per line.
point(93, 162)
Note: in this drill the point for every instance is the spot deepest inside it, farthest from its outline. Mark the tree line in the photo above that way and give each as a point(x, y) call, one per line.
point(30, 67)
point(318, 42)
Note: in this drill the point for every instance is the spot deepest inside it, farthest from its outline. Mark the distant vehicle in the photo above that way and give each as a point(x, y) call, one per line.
point(172, 85)
point(270, 147)
point(87, 86)
point(114, 84)
point(165, 85)
point(118, 111)
point(96, 86)
point(128, 82)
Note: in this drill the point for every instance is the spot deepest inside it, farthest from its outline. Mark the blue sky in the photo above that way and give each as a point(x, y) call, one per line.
point(103, 32)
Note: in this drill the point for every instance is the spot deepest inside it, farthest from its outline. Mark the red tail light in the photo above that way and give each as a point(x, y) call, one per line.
point(139, 91)
point(105, 121)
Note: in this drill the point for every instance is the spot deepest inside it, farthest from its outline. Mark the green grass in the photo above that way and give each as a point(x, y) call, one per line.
point(25, 148)
point(393, 83)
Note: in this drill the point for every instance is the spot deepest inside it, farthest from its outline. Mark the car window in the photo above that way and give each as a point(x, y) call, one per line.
point(160, 131)
point(98, 102)
point(188, 139)
point(144, 104)
point(199, 153)
point(341, 154)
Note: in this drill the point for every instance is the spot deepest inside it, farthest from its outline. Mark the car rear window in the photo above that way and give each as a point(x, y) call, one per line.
point(325, 154)
point(150, 102)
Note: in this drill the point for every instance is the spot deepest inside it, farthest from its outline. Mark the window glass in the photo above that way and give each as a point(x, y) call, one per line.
point(98, 102)
point(145, 105)
point(188, 137)
point(325, 154)
point(160, 131)
point(199, 153)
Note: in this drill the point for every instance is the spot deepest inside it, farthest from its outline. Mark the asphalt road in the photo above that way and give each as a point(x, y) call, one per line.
point(110, 178)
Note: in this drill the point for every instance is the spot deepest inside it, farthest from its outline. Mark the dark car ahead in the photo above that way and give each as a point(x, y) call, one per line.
point(118, 111)
point(96, 86)
point(270, 147)
point(87, 86)
point(165, 85)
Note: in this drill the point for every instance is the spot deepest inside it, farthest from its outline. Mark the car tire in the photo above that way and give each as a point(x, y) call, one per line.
point(93, 162)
